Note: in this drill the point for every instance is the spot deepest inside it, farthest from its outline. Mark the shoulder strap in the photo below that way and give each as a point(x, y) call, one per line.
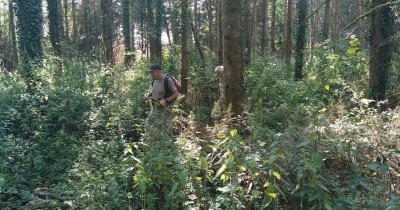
point(166, 85)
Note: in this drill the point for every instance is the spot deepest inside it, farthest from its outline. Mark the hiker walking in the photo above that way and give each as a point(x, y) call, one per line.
point(164, 92)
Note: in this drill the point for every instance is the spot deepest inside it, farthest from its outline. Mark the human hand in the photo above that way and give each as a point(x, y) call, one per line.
point(163, 103)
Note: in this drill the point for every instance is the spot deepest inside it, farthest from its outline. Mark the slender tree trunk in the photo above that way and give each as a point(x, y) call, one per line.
point(126, 29)
point(158, 29)
point(74, 22)
point(61, 20)
point(287, 52)
point(132, 25)
point(197, 40)
point(12, 33)
point(264, 15)
point(253, 25)
point(233, 56)
point(302, 7)
point(107, 18)
point(66, 18)
point(327, 18)
point(210, 25)
point(273, 20)
point(336, 26)
point(381, 49)
point(246, 22)
point(220, 32)
point(185, 52)
point(151, 33)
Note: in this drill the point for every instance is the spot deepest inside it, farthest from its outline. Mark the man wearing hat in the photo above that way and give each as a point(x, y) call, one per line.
point(163, 94)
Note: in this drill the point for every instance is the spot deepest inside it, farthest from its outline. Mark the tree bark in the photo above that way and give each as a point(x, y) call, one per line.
point(273, 27)
point(66, 19)
point(302, 7)
point(264, 27)
point(381, 49)
point(287, 52)
point(12, 33)
point(54, 25)
point(158, 30)
point(126, 29)
point(185, 52)
point(233, 56)
point(107, 18)
point(220, 34)
point(327, 18)
point(74, 22)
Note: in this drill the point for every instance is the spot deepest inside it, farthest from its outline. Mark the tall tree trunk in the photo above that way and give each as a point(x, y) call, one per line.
point(253, 25)
point(107, 18)
point(132, 25)
point(185, 52)
point(264, 15)
point(247, 22)
point(151, 33)
point(327, 18)
point(54, 25)
point(233, 56)
point(74, 22)
point(302, 7)
point(12, 33)
point(336, 26)
point(66, 19)
point(30, 34)
point(220, 32)
point(381, 49)
point(197, 40)
point(61, 20)
point(126, 29)
point(287, 52)
point(210, 24)
point(273, 27)
point(158, 29)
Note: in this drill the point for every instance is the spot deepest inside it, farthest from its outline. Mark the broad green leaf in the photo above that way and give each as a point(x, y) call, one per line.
point(327, 87)
point(317, 160)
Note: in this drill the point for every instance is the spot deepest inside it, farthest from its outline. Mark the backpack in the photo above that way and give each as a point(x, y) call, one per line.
point(168, 92)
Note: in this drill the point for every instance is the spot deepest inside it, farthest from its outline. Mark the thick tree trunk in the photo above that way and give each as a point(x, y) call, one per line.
point(287, 51)
point(302, 8)
point(381, 49)
point(106, 16)
point(185, 52)
point(232, 56)
point(54, 25)
point(336, 26)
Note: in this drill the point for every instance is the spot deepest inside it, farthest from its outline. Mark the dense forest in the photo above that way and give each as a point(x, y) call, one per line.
point(305, 114)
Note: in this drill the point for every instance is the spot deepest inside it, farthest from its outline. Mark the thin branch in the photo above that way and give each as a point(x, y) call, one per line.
point(370, 12)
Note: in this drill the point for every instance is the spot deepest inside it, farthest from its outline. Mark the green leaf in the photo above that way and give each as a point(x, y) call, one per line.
point(327, 87)
point(233, 133)
point(277, 175)
point(317, 160)
point(376, 166)
point(222, 170)
point(272, 195)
